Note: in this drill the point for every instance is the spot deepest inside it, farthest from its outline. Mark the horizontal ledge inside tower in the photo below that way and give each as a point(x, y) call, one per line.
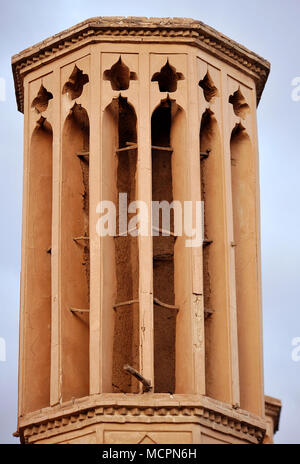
point(155, 301)
point(78, 310)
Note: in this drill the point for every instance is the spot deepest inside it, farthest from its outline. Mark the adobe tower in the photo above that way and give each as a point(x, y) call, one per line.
point(135, 338)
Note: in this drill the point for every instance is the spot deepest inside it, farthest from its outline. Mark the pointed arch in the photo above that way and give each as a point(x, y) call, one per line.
point(239, 104)
point(75, 254)
point(120, 253)
point(168, 173)
point(217, 343)
point(167, 78)
point(243, 175)
point(119, 75)
point(74, 85)
point(41, 101)
point(38, 271)
point(163, 253)
point(210, 91)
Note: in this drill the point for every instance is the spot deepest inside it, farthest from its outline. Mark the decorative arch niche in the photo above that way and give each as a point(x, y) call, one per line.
point(210, 91)
point(41, 101)
point(239, 103)
point(75, 254)
point(243, 166)
point(38, 294)
point(120, 253)
point(119, 75)
point(167, 78)
point(217, 355)
point(74, 85)
point(168, 173)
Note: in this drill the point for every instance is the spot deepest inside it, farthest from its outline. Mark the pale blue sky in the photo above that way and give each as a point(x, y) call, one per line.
point(271, 29)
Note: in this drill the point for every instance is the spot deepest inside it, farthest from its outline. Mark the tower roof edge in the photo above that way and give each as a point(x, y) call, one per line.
point(184, 30)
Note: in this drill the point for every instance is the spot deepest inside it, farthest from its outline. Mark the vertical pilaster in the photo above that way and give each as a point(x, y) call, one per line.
point(260, 370)
point(197, 300)
point(22, 326)
point(144, 193)
point(97, 329)
point(55, 376)
point(232, 307)
point(244, 178)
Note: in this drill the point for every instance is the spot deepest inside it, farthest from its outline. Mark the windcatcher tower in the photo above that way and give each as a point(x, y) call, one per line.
point(160, 109)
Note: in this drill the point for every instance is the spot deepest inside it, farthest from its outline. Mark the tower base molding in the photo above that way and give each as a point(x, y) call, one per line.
point(142, 419)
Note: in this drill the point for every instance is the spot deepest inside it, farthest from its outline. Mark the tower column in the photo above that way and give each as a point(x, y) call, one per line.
point(55, 379)
point(144, 193)
point(99, 363)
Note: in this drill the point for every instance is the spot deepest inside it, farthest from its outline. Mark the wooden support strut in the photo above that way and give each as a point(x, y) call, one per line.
point(164, 231)
point(205, 154)
point(165, 305)
point(167, 233)
point(131, 143)
point(76, 239)
point(125, 303)
point(163, 257)
point(130, 147)
point(208, 312)
point(155, 301)
point(84, 154)
point(146, 383)
point(155, 147)
point(76, 310)
point(124, 234)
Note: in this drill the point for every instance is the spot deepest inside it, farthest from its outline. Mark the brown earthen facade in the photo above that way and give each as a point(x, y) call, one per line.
point(162, 110)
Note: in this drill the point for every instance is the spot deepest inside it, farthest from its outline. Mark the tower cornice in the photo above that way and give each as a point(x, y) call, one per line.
point(142, 30)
